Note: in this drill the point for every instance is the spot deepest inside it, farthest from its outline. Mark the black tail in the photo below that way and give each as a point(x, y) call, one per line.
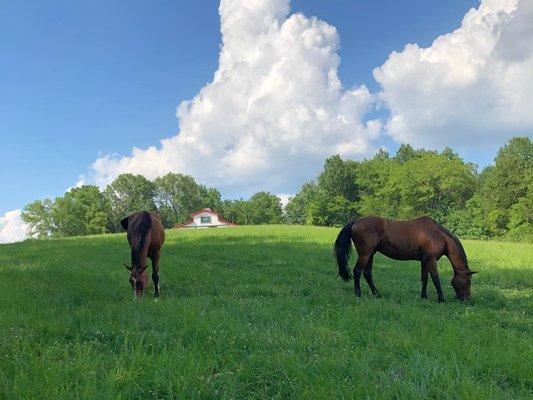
point(342, 250)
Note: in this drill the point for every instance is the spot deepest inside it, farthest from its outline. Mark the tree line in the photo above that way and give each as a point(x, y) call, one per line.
point(87, 210)
point(496, 202)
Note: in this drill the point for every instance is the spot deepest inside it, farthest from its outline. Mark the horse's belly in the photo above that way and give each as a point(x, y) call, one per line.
point(399, 253)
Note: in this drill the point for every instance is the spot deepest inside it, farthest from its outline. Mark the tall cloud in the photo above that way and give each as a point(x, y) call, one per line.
point(12, 228)
point(471, 87)
point(274, 110)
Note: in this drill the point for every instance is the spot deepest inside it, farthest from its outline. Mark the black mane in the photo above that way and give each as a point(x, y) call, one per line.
point(457, 242)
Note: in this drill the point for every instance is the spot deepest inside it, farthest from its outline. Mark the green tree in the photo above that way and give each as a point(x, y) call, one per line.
point(430, 184)
point(177, 196)
point(297, 211)
point(332, 200)
point(521, 217)
point(38, 216)
point(81, 211)
point(405, 153)
point(506, 187)
point(508, 179)
point(372, 179)
point(127, 194)
point(470, 221)
point(327, 210)
point(265, 208)
point(339, 178)
point(237, 211)
point(211, 198)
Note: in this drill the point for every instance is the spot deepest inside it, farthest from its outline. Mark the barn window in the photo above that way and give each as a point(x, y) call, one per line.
point(205, 220)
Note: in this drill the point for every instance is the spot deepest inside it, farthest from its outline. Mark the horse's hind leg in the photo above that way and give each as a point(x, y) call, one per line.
point(431, 265)
point(155, 272)
point(424, 279)
point(362, 260)
point(367, 273)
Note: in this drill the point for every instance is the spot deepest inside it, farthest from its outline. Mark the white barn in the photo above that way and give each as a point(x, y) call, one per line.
point(206, 219)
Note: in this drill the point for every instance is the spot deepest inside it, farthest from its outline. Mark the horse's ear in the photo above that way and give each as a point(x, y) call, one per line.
point(125, 223)
point(472, 272)
point(127, 266)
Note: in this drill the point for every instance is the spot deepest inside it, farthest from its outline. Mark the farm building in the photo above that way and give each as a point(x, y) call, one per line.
point(206, 219)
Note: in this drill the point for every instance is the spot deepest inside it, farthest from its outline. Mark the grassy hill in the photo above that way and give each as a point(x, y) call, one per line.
point(257, 313)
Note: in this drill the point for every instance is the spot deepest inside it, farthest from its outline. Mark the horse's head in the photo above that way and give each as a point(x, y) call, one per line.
point(461, 284)
point(138, 280)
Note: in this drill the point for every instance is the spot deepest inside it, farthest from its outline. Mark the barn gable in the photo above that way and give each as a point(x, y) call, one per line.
point(206, 218)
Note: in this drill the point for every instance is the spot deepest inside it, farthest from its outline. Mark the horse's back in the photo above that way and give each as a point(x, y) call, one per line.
point(404, 240)
point(432, 240)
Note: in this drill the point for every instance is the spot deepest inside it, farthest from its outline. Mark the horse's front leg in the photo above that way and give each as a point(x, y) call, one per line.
point(362, 260)
point(424, 279)
point(433, 271)
point(155, 272)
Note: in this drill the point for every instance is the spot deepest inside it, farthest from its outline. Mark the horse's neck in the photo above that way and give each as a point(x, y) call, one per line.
point(455, 255)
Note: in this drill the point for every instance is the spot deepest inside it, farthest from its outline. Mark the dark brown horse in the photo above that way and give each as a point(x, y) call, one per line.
point(146, 236)
point(420, 239)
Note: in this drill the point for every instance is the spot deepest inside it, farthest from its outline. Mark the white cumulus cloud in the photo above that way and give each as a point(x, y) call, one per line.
point(12, 228)
point(273, 112)
point(471, 87)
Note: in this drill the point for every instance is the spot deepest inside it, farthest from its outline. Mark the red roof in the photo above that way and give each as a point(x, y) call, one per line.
point(208, 211)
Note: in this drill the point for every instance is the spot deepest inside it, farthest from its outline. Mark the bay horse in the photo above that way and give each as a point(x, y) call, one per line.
point(146, 236)
point(421, 239)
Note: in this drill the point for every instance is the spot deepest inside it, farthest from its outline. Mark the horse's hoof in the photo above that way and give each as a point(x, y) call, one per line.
point(441, 301)
point(424, 297)
point(377, 295)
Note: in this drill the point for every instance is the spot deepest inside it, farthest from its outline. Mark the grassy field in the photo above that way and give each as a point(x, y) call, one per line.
point(258, 313)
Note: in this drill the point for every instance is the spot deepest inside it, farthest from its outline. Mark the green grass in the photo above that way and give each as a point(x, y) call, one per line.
point(258, 313)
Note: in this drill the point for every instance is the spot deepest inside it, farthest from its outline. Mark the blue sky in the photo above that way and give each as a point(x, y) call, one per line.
point(81, 79)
